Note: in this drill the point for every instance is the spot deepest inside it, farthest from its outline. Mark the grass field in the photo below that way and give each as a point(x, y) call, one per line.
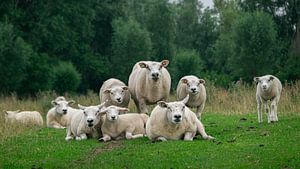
point(230, 116)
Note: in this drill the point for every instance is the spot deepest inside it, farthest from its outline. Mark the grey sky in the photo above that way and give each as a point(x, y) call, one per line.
point(207, 3)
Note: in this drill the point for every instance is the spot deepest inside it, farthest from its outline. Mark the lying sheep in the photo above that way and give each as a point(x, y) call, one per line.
point(59, 115)
point(129, 126)
point(116, 92)
point(148, 83)
point(194, 87)
point(85, 123)
point(269, 87)
point(24, 117)
point(174, 121)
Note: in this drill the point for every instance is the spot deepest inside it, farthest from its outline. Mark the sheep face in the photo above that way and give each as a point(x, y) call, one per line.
point(193, 85)
point(62, 106)
point(154, 69)
point(9, 115)
point(175, 111)
point(265, 82)
point(117, 94)
point(91, 115)
point(112, 112)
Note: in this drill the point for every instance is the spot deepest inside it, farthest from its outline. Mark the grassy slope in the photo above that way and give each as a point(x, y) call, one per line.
point(241, 143)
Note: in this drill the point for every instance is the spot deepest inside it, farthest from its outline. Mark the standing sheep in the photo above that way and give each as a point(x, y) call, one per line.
point(174, 121)
point(194, 87)
point(115, 92)
point(115, 126)
point(269, 87)
point(149, 82)
point(85, 123)
point(24, 117)
point(59, 115)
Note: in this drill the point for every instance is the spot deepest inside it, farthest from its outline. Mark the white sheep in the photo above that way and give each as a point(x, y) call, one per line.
point(114, 92)
point(129, 126)
point(149, 82)
point(59, 115)
point(24, 117)
point(269, 87)
point(85, 123)
point(194, 87)
point(174, 121)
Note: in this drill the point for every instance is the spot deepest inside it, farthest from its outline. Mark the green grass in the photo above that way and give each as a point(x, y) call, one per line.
point(240, 143)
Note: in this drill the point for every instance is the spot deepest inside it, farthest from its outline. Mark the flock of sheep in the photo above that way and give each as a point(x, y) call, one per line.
point(149, 83)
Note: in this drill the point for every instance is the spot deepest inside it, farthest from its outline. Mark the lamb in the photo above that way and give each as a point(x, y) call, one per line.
point(85, 123)
point(269, 87)
point(194, 87)
point(115, 126)
point(149, 82)
point(174, 121)
point(59, 115)
point(116, 92)
point(24, 117)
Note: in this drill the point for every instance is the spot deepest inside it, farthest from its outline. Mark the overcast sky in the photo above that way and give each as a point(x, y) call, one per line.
point(207, 3)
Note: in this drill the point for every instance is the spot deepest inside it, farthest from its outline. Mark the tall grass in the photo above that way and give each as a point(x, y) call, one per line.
point(235, 100)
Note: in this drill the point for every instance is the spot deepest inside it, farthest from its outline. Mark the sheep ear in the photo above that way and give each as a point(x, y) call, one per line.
point(186, 99)
point(164, 63)
point(202, 81)
point(143, 65)
point(185, 81)
point(162, 104)
point(271, 78)
point(124, 87)
point(54, 103)
point(107, 91)
point(123, 109)
point(71, 102)
point(103, 111)
point(102, 104)
point(6, 112)
point(81, 107)
point(256, 79)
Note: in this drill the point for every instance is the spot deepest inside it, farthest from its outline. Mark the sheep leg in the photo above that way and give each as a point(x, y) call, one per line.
point(83, 136)
point(188, 136)
point(259, 113)
point(267, 109)
point(105, 138)
point(160, 138)
point(130, 136)
point(69, 134)
point(274, 103)
point(199, 111)
point(143, 106)
point(202, 132)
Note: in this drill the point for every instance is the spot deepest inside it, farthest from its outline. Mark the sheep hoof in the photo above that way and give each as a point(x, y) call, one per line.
point(101, 140)
point(209, 138)
point(68, 138)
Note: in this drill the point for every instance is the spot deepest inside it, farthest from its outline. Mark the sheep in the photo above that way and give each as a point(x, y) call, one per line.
point(148, 83)
point(116, 92)
point(85, 123)
point(59, 115)
point(194, 87)
point(115, 126)
point(269, 87)
point(24, 117)
point(174, 121)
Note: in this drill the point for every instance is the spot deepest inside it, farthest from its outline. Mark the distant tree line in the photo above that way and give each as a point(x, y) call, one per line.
point(73, 46)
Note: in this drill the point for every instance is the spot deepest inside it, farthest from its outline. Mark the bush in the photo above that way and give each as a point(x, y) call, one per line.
point(66, 78)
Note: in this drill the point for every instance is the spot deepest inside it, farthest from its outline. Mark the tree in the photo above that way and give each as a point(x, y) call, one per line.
point(130, 43)
point(254, 46)
point(14, 54)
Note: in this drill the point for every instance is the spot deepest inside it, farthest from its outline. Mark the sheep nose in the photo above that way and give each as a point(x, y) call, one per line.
point(119, 99)
point(155, 75)
point(90, 120)
point(64, 110)
point(193, 89)
point(113, 117)
point(177, 116)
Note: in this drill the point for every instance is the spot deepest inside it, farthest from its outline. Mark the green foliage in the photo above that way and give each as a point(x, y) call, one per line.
point(66, 78)
point(186, 62)
point(130, 44)
point(14, 54)
point(255, 46)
